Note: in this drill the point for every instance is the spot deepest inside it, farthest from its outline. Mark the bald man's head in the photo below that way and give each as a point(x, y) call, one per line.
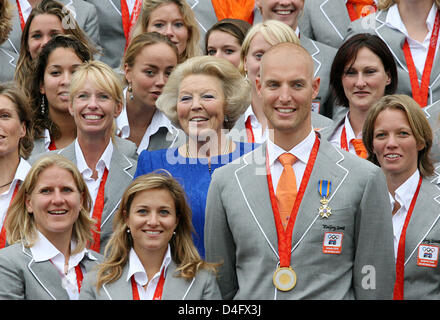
point(287, 88)
point(284, 53)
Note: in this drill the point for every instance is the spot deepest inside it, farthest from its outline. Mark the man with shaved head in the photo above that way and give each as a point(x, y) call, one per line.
point(297, 218)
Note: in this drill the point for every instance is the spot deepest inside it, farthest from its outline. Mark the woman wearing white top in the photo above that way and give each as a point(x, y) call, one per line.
point(95, 101)
point(398, 139)
point(48, 227)
point(15, 146)
point(363, 71)
point(150, 255)
point(410, 29)
point(147, 63)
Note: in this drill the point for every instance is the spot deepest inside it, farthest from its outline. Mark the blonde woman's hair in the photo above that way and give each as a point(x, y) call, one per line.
point(104, 77)
point(183, 251)
point(236, 89)
point(386, 4)
point(20, 224)
point(101, 74)
point(273, 31)
point(192, 47)
point(417, 121)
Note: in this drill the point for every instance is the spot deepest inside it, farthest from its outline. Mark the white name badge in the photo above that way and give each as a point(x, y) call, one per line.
point(332, 242)
point(427, 255)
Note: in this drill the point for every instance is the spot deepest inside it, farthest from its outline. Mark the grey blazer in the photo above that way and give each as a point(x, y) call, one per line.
point(395, 40)
point(202, 287)
point(22, 278)
point(8, 60)
point(432, 113)
point(325, 21)
point(421, 282)
point(122, 169)
point(322, 56)
point(111, 32)
point(83, 12)
point(242, 232)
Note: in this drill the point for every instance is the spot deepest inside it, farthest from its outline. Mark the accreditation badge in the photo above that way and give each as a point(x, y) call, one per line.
point(284, 278)
point(427, 255)
point(332, 242)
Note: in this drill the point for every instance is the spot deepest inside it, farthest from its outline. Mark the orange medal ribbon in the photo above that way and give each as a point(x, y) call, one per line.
point(234, 9)
point(420, 94)
point(157, 292)
point(3, 232)
point(400, 263)
point(285, 236)
point(97, 212)
point(127, 21)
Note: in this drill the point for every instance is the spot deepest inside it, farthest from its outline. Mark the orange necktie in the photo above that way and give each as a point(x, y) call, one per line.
point(286, 188)
point(359, 147)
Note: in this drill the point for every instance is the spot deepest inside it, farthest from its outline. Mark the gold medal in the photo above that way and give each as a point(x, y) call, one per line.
point(324, 210)
point(284, 278)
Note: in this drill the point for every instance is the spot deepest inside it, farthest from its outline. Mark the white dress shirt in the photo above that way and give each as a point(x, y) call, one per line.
point(419, 50)
point(259, 135)
point(158, 121)
point(86, 172)
point(5, 198)
point(403, 195)
point(301, 151)
point(26, 9)
point(136, 268)
point(335, 139)
point(44, 250)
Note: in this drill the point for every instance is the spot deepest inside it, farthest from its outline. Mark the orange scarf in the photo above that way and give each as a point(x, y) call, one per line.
point(234, 9)
point(355, 8)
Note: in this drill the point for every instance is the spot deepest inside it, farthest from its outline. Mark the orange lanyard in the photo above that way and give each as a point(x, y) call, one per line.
point(3, 231)
point(157, 292)
point(20, 15)
point(97, 212)
point(285, 236)
point(420, 94)
point(400, 263)
point(249, 132)
point(344, 143)
point(127, 21)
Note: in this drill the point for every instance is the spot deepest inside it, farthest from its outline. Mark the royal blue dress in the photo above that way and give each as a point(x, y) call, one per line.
point(194, 175)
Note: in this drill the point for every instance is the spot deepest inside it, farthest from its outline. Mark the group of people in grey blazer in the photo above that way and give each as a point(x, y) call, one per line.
point(339, 239)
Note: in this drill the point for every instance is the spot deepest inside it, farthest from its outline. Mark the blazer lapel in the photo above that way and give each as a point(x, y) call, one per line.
point(425, 219)
point(119, 289)
point(336, 14)
point(393, 38)
point(327, 167)
point(116, 5)
point(313, 50)
point(118, 174)
point(47, 276)
point(252, 180)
